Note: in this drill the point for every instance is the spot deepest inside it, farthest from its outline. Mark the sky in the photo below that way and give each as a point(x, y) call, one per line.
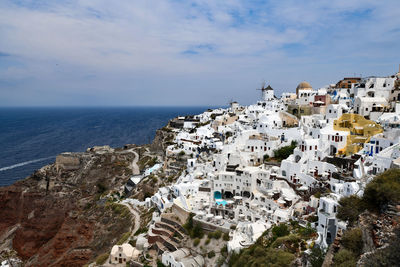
point(187, 53)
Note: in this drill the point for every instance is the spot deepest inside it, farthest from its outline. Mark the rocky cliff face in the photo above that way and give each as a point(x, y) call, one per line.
point(60, 215)
point(162, 139)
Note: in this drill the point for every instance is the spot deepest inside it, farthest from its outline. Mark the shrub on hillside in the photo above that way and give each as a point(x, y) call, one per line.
point(196, 242)
point(101, 259)
point(280, 230)
point(344, 258)
point(352, 240)
point(349, 208)
point(383, 190)
point(316, 257)
point(285, 151)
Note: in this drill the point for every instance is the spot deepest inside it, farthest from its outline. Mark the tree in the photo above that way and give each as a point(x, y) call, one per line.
point(211, 254)
point(344, 258)
point(352, 240)
point(316, 257)
point(349, 208)
point(280, 230)
point(383, 190)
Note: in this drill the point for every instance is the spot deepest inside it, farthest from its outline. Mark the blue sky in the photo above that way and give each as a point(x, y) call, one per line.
point(182, 53)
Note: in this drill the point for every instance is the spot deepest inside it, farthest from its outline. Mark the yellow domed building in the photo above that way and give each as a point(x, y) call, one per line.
point(303, 86)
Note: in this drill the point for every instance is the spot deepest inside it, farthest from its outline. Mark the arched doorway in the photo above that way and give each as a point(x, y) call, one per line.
point(228, 194)
point(246, 194)
point(333, 150)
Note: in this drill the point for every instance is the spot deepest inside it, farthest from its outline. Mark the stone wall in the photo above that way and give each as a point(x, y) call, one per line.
point(210, 226)
point(181, 213)
point(67, 162)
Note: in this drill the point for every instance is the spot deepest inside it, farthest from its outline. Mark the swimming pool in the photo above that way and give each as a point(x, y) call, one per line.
point(152, 169)
point(219, 202)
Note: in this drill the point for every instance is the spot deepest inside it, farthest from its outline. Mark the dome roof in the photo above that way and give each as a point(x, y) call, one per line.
point(304, 86)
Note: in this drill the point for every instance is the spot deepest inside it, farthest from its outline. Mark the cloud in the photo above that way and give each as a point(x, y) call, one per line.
point(186, 52)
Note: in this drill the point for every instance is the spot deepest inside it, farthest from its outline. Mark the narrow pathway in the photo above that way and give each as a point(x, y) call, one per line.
point(135, 167)
point(136, 217)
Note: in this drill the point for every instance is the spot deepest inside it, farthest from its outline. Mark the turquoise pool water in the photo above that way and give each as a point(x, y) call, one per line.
point(219, 202)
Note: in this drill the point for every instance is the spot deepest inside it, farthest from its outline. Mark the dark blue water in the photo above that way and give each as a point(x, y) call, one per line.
point(31, 137)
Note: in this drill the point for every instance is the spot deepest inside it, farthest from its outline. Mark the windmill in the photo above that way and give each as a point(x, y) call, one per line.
point(233, 104)
point(267, 92)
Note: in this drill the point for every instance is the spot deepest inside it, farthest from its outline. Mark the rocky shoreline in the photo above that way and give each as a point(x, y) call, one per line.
point(63, 214)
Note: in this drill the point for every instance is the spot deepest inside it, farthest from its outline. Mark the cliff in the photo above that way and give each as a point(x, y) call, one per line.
point(61, 215)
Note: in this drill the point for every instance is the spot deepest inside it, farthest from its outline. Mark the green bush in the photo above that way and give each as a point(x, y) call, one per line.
point(312, 218)
point(352, 240)
point(101, 259)
point(349, 208)
point(257, 255)
point(160, 264)
point(101, 188)
point(141, 230)
point(132, 243)
point(224, 250)
point(207, 241)
point(124, 238)
point(220, 261)
point(285, 151)
point(344, 258)
point(383, 190)
point(211, 254)
point(307, 231)
point(194, 230)
point(226, 237)
point(317, 256)
point(197, 231)
point(196, 242)
point(280, 230)
point(217, 234)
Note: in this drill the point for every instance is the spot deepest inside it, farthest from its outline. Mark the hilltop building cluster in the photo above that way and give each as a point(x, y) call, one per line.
point(252, 167)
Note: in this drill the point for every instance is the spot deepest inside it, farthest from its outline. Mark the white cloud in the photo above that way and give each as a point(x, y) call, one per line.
point(93, 46)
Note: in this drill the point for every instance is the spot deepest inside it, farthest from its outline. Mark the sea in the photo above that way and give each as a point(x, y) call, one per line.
point(32, 137)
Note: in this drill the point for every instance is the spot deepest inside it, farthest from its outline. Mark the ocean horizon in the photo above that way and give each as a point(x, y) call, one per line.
point(31, 137)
